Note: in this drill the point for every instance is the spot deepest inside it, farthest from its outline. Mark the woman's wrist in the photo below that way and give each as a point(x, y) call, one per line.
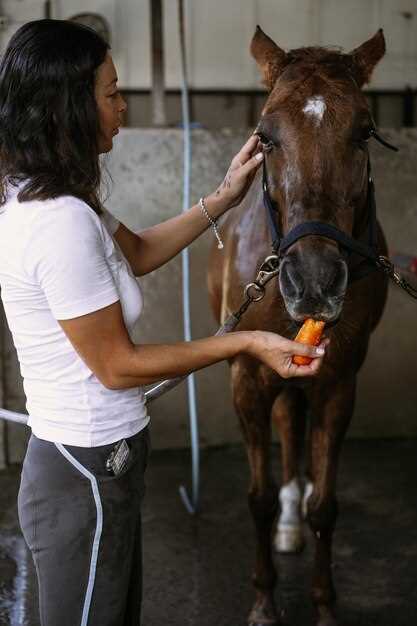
point(247, 340)
point(212, 221)
point(215, 205)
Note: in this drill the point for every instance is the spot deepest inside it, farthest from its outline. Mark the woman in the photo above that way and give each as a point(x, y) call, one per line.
point(67, 272)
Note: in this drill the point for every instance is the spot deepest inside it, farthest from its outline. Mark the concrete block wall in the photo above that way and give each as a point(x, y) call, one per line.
point(146, 167)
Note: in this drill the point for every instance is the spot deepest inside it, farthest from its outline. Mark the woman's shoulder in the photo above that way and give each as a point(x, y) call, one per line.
point(64, 208)
point(61, 223)
point(13, 193)
point(60, 227)
point(65, 214)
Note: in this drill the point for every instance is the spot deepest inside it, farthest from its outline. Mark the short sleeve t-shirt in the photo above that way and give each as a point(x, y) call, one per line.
point(58, 260)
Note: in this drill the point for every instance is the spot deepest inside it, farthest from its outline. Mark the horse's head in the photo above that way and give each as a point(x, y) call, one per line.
point(315, 125)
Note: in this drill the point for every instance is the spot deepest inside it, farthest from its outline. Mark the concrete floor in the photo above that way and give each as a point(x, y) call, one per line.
point(197, 571)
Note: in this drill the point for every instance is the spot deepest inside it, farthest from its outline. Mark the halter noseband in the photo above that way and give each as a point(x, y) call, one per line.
point(369, 251)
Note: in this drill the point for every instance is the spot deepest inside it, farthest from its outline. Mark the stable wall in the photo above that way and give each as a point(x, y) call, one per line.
point(146, 166)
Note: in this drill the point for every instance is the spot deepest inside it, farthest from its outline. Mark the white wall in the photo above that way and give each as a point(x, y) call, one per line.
point(219, 33)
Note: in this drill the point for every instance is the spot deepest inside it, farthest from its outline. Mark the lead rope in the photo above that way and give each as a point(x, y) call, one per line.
point(254, 292)
point(388, 268)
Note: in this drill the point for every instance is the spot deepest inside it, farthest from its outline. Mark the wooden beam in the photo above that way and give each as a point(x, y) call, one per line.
point(47, 10)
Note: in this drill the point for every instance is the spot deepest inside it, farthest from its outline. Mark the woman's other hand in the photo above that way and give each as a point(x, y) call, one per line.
point(239, 175)
point(277, 352)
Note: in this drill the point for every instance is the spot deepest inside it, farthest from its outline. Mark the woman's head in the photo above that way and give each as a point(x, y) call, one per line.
point(54, 119)
point(110, 104)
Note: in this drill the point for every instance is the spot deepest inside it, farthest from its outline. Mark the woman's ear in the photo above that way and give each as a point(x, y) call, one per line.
point(365, 57)
point(270, 58)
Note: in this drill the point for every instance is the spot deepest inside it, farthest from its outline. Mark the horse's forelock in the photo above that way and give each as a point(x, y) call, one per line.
point(326, 72)
point(320, 55)
point(329, 64)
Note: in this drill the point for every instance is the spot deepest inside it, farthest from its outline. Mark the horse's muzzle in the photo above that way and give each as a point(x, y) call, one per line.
point(316, 291)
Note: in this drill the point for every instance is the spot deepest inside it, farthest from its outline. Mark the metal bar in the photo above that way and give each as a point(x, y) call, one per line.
point(13, 416)
point(3, 390)
point(157, 69)
point(251, 111)
point(408, 107)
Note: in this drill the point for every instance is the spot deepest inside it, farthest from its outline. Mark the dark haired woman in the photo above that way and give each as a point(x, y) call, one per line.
point(67, 275)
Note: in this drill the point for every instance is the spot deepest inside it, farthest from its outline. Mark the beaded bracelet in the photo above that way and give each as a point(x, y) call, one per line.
point(213, 223)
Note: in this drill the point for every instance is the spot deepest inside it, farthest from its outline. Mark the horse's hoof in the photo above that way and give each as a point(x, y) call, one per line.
point(308, 490)
point(326, 617)
point(263, 621)
point(276, 623)
point(263, 614)
point(327, 621)
point(289, 539)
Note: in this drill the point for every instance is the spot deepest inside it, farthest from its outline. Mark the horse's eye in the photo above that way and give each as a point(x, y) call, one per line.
point(267, 143)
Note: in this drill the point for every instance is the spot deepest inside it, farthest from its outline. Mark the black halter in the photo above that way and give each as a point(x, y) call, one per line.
point(368, 252)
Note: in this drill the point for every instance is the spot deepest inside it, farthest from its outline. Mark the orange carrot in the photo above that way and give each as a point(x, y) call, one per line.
point(310, 333)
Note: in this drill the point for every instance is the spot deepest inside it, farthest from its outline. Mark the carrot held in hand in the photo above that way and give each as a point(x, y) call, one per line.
point(309, 333)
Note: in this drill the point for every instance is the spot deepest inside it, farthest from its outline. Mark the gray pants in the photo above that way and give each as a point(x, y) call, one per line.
point(83, 527)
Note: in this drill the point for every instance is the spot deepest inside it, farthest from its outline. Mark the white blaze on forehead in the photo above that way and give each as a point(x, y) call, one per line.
point(315, 108)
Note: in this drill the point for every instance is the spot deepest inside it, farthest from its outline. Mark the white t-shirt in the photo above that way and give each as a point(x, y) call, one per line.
point(58, 260)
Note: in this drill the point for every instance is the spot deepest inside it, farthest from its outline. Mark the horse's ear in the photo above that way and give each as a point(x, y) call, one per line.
point(270, 58)
point(366, 56)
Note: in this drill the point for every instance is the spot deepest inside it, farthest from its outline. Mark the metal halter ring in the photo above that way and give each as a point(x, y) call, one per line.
point(258, 288)
point(388, 267)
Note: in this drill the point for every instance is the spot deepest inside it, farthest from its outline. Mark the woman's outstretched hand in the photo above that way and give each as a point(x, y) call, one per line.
point(239, 175)
point(277, 352)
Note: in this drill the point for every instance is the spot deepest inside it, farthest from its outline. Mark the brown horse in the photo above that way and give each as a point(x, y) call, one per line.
point(314, 125)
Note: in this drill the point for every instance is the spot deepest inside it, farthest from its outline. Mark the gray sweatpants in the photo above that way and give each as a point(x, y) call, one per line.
point(83, 527)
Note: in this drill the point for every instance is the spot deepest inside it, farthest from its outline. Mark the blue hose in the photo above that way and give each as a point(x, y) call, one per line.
point(193, 503)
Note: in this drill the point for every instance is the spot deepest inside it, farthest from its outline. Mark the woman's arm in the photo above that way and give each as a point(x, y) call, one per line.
point(160, 243)
point(149, 249)
point(102, 341)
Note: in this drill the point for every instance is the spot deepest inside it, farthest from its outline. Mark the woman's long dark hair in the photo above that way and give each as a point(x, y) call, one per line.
point(48, 114)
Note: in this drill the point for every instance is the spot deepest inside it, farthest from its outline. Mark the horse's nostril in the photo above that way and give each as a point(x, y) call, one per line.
point(292, 283)
point(338, 281)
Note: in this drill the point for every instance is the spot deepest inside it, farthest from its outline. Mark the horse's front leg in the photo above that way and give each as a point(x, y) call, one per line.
point(253, 408)
point(289, 416)
point(331, 414)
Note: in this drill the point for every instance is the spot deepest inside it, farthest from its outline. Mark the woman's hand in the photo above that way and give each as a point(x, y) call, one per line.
point(277, 352)
point(238, 178)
